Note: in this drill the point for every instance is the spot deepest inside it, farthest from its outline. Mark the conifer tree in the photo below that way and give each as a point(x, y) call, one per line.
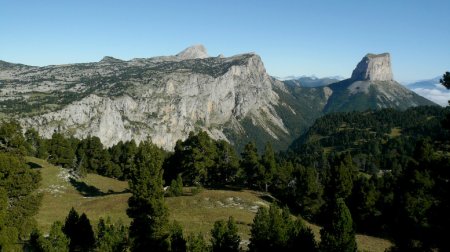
point(339, 181)
point(301, 238)
point(177, 241)
point(308, 190)
point(11, 138)
point(19, 182)
point(7, 236)
point(269, 167)
point(61, 151)
point(85, 234)
point(79, 230)
point(260, 231)
point(445, 80)
point(273, 229)
point(362, 204)
point(70, 225)
point(33, 142)
point(111, 237)
point(56, 241)
point(126, 158)
point(338, 233)
point(226, 165)
point(146, 207)
point(415, 202)
point(198, 158)
point(250, 164)
point(196, 243)
point(224, 236)
point(176, 186)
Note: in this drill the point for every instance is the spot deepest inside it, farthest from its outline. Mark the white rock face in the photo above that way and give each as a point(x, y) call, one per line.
point(193, 52)
point(372, 87)
point(162, 98)
point(374, 67)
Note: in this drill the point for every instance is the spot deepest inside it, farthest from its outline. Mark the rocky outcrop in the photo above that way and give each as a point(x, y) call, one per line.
point(162, 98)
point(193, 52)
point(372, 87)
point(110, 60)
point(374, 67)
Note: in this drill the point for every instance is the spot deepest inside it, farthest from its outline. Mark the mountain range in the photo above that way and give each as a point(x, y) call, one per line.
point(311, 81)
point(166, 97)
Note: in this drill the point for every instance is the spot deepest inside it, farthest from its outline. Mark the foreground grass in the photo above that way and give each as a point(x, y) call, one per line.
point(99, 196)
point(59, 196)
point(365, 242)
point(198, 213)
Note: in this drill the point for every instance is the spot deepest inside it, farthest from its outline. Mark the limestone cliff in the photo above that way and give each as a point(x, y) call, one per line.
point(374, 67)
point(372, 87)
point(163, 98)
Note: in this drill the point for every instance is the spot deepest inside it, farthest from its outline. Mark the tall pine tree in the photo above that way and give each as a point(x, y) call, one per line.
point(274, 230)
point(79, 230)
point(224, 236)
point(268, 167)
point(250, 164)
point(338, 233)
point(149, 226)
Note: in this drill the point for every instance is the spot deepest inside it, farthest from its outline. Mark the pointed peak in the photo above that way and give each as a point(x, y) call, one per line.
point(375, 67)
point(193, 52)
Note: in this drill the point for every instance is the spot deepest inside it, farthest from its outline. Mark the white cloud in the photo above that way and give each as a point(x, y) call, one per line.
point(440, 86)
point(439, 95)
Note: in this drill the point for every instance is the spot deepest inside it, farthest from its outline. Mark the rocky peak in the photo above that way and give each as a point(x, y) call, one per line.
point(193, 52)
point(109, 59)
point(164, 98)
point(374, 67)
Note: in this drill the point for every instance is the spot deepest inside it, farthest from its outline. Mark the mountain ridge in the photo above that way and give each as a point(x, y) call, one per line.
point(166, 97)
point(162, 97)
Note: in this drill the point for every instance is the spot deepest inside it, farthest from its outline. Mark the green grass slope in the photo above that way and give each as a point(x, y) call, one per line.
point(99, 196)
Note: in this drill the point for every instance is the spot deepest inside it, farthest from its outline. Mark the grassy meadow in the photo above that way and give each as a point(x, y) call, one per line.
point(99, 196)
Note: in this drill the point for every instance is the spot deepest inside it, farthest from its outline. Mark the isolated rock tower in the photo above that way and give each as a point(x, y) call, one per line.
point(374, 67)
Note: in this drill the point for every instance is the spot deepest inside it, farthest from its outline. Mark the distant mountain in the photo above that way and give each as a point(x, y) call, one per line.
point(372, 87)
point(166, 97)
point(431, 89)
point(163, 98)
point(307, 81)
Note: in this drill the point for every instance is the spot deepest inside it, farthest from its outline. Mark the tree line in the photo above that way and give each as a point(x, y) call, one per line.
point(272, 229)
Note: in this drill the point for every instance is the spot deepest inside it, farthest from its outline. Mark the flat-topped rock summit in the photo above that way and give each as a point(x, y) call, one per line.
point(372, 86)
point(374, 67)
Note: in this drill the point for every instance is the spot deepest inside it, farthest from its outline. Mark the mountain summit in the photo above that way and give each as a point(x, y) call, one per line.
point(374, 67)
point(163, 97)
point(193, 52)
point(372, 86)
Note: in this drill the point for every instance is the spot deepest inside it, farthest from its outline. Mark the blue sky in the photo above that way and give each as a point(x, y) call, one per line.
point(293, 37)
